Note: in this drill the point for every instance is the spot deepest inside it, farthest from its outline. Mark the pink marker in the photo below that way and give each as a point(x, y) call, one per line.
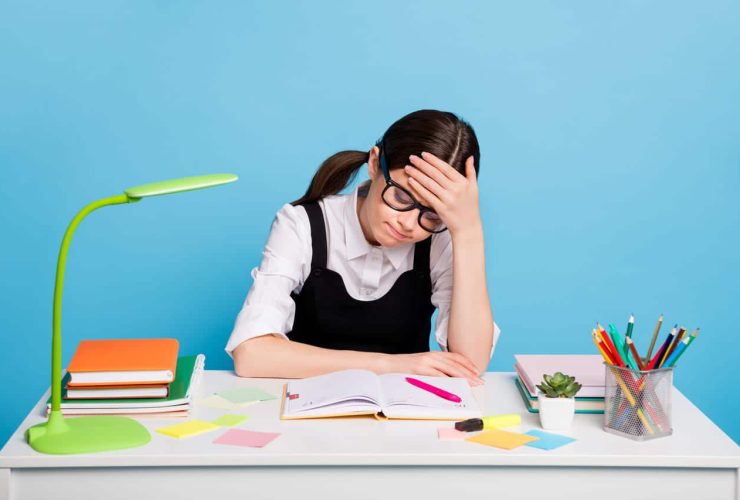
point(434, 390)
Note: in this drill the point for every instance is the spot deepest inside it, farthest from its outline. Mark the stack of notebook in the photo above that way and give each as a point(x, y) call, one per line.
point(130, 376)
point(588, 369)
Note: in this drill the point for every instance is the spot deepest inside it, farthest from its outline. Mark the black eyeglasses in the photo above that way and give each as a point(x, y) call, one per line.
point(401, 200)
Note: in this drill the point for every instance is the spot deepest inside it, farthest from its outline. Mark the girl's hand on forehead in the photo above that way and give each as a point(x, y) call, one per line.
point(452, 195)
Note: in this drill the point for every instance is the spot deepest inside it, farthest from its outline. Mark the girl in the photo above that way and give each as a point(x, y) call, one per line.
point(351, 281)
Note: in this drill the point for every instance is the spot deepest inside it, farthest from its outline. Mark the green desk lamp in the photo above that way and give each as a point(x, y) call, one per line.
point(62, 436)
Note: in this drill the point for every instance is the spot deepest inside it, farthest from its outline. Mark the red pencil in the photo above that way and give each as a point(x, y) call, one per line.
point(609, 358)
point(608, 341)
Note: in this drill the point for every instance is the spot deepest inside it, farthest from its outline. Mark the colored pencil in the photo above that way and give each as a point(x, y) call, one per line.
point(635, 355)
point(676, 341)
point(645, 422)
point(609, 342)
point(688, 341)
point(617, 375)
point(630, 325)
point(658, 355)
point(600, 346)
point(671, 359)
point(693, 336)
point(618, 341)
point(667, 347)
point(655, 336)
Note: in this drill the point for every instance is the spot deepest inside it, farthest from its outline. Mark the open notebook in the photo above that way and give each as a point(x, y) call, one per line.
point(361, 392)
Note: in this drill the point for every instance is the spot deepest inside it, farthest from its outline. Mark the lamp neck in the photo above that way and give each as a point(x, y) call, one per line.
point(56, 338)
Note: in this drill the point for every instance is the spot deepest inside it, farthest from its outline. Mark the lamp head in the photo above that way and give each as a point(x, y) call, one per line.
point(178, 185)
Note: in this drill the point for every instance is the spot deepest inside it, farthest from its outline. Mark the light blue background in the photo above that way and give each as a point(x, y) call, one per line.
point(609, 180)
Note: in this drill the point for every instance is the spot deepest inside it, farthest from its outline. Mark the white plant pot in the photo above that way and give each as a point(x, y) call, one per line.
point(556, 414)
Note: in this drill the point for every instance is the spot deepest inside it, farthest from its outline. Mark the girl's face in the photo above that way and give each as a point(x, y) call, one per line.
point(381, 224)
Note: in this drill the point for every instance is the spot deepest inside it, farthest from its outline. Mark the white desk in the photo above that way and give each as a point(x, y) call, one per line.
point(362, 458)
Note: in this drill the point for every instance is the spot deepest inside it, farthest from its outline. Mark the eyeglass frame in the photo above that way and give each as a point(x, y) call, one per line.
point(391, 183)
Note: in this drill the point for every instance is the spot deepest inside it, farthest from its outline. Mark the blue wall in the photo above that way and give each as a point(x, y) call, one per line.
point(609, 176)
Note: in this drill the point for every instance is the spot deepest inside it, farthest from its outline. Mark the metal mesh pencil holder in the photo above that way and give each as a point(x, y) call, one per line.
point(638, 403)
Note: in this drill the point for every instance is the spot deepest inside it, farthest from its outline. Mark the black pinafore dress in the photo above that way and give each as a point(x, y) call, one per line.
point(326, 315)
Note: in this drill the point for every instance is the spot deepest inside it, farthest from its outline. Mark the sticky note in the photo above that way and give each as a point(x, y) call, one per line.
point(188, 429)
point(547, 440)
point(242, 437)
point(501, 439)
point(216, 401)
point(450, 434)
point(243, 395)
point(230, 420)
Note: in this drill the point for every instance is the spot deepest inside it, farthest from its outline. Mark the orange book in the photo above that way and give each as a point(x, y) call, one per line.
point(123, 362)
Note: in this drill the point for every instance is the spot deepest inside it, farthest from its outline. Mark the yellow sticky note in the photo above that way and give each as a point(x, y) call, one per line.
point(188, 429)
point(502, 439)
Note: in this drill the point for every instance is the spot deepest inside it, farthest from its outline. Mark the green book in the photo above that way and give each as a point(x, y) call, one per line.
point(188, 371)
point(583, 405)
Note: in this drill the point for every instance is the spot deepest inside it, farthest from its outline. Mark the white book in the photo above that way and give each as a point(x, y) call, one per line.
point(117, 392)
point(362, 392)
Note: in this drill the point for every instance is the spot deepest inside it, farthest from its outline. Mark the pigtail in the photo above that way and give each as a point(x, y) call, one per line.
point(333, 175)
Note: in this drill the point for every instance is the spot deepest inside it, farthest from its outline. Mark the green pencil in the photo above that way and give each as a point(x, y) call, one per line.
point(630, 325)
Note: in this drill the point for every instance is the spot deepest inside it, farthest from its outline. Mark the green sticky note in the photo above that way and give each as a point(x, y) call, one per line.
point(217, 402)
point(230, 420)
point(243, 395)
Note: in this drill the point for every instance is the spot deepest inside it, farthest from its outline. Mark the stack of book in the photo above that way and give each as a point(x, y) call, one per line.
point(588, 370)
point(131, 377)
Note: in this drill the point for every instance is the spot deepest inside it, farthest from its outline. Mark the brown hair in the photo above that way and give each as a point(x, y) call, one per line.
point(443, 134)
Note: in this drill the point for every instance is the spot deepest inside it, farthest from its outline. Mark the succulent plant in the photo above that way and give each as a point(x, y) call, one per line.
point(559, 386)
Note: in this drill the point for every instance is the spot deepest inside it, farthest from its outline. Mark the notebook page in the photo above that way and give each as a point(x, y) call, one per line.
point(401, 399)
point(355, 389)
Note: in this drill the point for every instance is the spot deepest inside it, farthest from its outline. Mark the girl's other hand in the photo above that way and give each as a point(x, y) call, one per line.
point(435, 364)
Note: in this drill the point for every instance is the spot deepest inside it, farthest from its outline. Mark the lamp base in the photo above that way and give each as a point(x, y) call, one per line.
point(60, 436)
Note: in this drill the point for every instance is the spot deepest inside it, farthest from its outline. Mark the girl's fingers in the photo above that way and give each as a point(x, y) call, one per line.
point(455, 370)
point(433, 372)
point(470, 368)
point(427, 196)
point(461, 369)
point(465, 361)
point(428, 182)
point(430, 170)
point(470, 169)
point(443, 167)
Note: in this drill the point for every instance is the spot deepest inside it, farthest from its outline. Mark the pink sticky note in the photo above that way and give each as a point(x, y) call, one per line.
point(241, 437)
point(450, 434)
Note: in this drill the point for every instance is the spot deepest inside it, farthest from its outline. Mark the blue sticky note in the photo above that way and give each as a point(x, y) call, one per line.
point(548, 441)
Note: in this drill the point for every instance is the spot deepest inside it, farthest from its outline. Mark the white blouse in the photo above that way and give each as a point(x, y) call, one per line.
point(368, 271)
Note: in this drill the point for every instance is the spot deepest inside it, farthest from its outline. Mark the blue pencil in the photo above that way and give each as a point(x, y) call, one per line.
point(686, 343)
point(676, 353)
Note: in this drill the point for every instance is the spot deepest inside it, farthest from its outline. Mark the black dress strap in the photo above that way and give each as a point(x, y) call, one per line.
point(318, 234)
point(421, 256)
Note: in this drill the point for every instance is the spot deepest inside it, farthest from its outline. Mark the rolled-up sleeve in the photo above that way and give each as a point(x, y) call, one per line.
point(268, 308)
point(441, 273)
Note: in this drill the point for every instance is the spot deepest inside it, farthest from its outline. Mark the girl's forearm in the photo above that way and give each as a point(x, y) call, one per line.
point(273, 356)
point(470, 327)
